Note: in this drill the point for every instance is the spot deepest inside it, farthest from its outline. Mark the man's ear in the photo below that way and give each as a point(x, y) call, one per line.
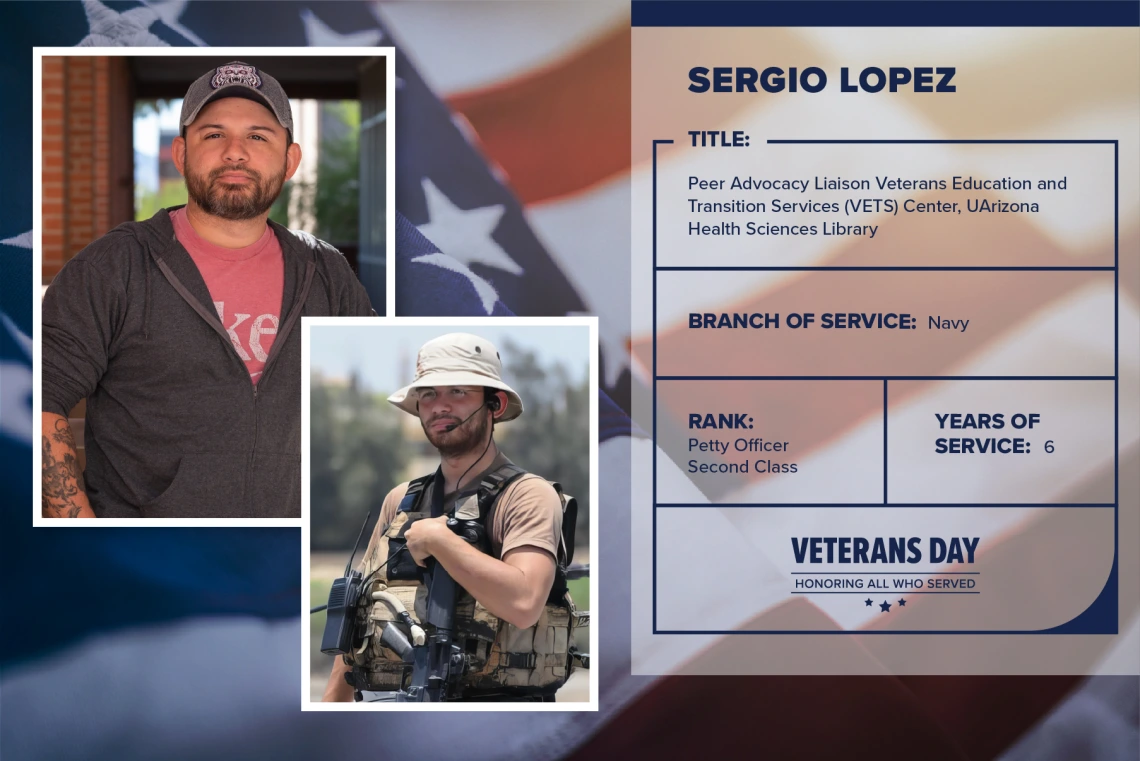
point(501, 398)
point(292, 160)
point(178, 153)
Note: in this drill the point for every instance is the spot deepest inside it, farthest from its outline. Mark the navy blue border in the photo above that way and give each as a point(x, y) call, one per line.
point(1102, 616)
point(888, 377)
point(761, 505)
point(888, 13)
point(886, 454)
point(849, 268)
point(654, 434)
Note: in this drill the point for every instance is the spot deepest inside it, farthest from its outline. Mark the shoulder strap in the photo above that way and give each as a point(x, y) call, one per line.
point(414, 494)
point(493, 485)
point(569, 525)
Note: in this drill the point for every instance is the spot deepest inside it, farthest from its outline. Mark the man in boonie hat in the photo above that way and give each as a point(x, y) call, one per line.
point(459, 396)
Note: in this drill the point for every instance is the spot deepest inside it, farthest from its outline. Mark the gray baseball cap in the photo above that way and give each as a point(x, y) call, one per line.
point(237, 80)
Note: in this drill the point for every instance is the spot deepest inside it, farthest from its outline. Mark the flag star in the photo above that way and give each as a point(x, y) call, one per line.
point(885, 606)
point(487, 293)
point(613, 349)
point(465, 234)
point(465, 129)
point(169, 12)
point(21, 340)
point(472, 137)
point(320, 34)
point(16, 388)
point(106, 28)
point(902, 603)
point(868, 601)
point(23, 240)
point(16, 401)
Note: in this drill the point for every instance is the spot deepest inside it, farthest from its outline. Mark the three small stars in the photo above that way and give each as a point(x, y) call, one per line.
point(885, 606)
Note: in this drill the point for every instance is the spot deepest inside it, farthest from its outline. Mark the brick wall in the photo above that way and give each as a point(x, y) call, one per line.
point(86, 137)
point(52, 145)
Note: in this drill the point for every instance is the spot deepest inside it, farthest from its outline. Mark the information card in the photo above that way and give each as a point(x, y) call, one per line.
point(885, 280)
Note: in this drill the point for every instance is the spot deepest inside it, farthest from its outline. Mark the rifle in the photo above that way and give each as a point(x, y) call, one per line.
point(439, 664)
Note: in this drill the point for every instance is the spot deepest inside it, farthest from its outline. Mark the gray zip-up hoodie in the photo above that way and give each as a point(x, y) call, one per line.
point(174, 426)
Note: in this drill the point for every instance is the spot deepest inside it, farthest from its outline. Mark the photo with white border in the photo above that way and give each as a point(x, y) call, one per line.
point(105, 94)
point(359, 445)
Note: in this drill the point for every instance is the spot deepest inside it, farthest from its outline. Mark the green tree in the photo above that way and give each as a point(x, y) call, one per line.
point(356, 453)
point(155, 106)
point(335, 196)
point(552, 438)
point(338, 190)
point(148, 202)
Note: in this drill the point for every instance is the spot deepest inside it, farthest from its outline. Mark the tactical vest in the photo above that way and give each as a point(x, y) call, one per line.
point(503, 660)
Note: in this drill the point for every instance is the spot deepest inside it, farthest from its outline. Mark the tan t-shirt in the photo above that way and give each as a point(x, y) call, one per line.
point(527, 514)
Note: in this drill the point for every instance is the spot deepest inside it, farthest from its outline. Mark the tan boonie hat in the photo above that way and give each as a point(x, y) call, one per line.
point(458, 359)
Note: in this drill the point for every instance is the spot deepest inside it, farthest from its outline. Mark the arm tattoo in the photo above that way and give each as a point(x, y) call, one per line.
point(62, 479)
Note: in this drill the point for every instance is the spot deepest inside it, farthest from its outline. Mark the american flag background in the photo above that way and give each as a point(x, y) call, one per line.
point(514, 178)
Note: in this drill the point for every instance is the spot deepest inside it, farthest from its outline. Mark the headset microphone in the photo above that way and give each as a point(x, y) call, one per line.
point(453, 426)
point(491, 402)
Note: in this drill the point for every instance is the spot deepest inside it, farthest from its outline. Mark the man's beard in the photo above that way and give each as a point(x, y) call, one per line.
point(461, 440)
point(234, 202)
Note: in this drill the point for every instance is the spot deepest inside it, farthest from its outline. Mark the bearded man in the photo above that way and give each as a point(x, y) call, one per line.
point(183, 332)
point(459, 396)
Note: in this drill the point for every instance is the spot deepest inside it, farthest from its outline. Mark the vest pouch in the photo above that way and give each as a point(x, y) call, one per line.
point(551, 647)
point(379, 668)
point(401, 565)
point(413, 597)
point(476, 628)
point(536, 657)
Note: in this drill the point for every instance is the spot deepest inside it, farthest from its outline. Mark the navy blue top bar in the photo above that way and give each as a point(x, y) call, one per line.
point(886, 13)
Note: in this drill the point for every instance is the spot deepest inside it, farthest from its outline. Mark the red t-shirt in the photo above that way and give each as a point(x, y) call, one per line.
point(245, 285)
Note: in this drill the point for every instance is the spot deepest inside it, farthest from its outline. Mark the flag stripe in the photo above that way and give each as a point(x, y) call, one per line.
point(687, 717)
point(560, 129)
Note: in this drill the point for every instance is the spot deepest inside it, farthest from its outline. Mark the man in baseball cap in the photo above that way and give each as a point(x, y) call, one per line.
point(459, 396)
point(237, 80)
point(164, 326)
point(234, 187)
